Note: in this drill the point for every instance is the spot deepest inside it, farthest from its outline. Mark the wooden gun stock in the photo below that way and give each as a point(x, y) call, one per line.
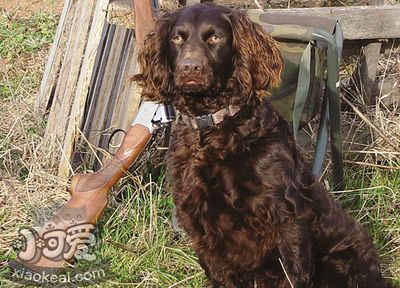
point(89, 196)
point(91, 190)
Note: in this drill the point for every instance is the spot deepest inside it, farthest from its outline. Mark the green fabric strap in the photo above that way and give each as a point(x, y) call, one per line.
point(303, 85)
point(339, 40)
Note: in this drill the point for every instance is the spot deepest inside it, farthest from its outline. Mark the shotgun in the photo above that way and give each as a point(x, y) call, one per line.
point(89, 197)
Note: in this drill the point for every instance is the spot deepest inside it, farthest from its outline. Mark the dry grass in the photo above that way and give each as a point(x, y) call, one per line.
point(374, 129)
point(23, 168)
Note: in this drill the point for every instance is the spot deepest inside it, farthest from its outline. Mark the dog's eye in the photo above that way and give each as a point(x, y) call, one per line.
point(214, 39)
point(178, 39)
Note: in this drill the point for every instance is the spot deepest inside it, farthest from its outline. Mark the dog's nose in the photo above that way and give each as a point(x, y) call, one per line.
point(191, 65)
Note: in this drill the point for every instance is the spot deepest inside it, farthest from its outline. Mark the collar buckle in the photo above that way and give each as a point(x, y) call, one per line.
point(204, 121)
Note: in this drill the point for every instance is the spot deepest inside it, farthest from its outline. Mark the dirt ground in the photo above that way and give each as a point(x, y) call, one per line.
point(27, 7)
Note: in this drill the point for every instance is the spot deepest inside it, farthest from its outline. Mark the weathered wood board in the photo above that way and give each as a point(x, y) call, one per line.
point(112, 65)
point(76, 55)
point(124, 98)
point(53, 64)
point(358, 22)
point(128, 96)
point(69, 73)
point(365, 72)
point(82, 88)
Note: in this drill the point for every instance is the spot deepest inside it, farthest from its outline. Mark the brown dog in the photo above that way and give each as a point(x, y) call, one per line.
point(242, 192)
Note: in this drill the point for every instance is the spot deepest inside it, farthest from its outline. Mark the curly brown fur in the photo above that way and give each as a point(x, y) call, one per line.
point(242, 191)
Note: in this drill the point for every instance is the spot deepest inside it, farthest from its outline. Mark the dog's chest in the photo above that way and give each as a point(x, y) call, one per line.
point(222, 203)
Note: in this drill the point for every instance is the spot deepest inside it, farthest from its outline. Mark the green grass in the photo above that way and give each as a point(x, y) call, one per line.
point(22, 41)
point(24, 44)
point(25, 35)
point(373, 197)
point(139, 242)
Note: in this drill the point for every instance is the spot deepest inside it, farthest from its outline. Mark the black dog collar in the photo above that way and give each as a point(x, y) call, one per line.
point(210, 120)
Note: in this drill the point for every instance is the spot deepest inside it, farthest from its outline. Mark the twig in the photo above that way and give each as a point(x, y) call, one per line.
point(9, 132)
point(91, 147)
point(284, 270)
point(121, 246)
point(341, 192)
point(186, 279)
point(371, 165)
point(371, 125)
point(373, 152)
point(259, 6)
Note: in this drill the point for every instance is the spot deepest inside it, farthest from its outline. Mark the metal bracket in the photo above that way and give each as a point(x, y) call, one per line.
point(154, 115)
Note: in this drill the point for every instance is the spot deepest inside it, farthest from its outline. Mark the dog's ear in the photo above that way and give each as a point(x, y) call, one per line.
point(153, 61)
point(258, 62)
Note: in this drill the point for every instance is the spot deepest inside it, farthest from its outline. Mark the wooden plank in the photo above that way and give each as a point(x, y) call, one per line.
point(128, 99)
point(120, 12)
point(53, 63)
point(131, 94)
point(82, 154)
point(71, 80)
point(76, 117)
point(116, 95)
point(102, 105)
point(101, 64)
point(366, 71)
point(358, 22)
point(102, 49)
point(121, 118)
point(67, 65)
